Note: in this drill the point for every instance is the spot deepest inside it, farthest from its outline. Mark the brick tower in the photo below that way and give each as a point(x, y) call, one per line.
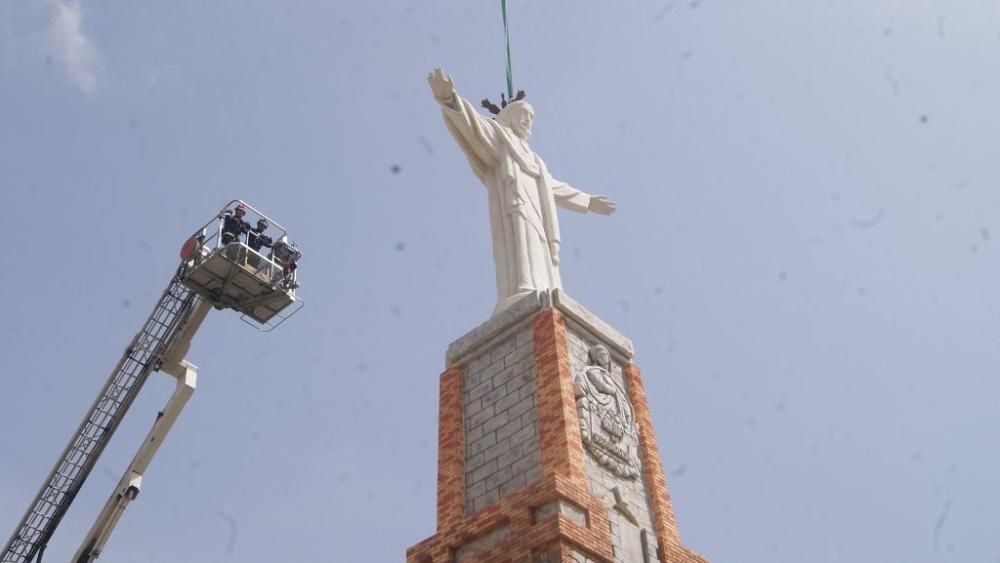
point(546, 450)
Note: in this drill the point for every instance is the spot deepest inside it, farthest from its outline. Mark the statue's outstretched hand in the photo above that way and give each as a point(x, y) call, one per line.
point(441, 84)
point(600, 204)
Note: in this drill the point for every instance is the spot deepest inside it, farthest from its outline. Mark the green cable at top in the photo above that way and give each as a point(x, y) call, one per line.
point(510, 80)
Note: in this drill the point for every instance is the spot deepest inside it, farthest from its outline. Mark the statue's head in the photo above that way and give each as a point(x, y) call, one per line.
point(518, 116)
point(599, 356)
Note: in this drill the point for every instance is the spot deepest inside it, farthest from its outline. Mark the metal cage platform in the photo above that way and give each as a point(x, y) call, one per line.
point(236, 276)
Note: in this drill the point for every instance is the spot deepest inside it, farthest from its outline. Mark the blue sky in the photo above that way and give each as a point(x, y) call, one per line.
point(805, 255)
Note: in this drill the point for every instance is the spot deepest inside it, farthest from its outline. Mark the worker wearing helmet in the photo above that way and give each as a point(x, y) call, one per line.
point(256, 239)
point(233, 225)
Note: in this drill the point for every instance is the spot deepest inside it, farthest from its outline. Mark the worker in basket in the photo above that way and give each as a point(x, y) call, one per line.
point(233, 228)
point(256, 239)
point(233, 224)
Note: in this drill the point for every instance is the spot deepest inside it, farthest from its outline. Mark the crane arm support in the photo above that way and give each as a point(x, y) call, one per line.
point(131, 482)
point(163, 340)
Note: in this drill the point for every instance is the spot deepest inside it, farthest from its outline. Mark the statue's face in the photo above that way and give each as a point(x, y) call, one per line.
point(524, 121)
point(520, 116)
point(603, 358)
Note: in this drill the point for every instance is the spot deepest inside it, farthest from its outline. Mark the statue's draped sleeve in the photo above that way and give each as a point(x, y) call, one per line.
point(476, 135)
point(480, 139)
point(568, 197)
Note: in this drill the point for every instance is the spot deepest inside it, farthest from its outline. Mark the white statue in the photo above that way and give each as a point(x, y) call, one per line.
point(522, 194)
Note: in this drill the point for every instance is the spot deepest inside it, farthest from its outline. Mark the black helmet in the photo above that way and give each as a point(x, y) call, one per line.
point(262, 224)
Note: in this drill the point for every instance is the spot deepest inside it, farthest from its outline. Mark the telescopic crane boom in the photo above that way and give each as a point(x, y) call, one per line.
point(211, 274)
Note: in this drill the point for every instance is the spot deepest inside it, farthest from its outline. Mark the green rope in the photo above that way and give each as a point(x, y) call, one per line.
point(510, 80)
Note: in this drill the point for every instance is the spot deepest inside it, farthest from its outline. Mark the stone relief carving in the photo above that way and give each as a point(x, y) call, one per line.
point(607, 421)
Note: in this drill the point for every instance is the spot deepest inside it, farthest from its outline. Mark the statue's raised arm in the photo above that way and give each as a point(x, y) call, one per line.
point(522, 194)
point(443, 87)
point(475, 134)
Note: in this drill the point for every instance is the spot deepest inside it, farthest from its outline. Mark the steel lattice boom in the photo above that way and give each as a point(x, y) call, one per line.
point(223, 270)
point(80, 456)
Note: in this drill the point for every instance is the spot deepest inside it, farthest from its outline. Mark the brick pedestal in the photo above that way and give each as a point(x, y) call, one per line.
point(528, 470)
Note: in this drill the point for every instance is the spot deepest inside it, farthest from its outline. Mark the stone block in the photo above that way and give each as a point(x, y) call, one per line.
point(476, 490)
point(484, 414)
point(593, 323)
point(534, 473)
point(506, 401)
point(521, 406)
point(524, 434)
point(517, 451)
point(488, 498)
point(502, 475)
point(474, 460)
point(484, 542)
point(498, 450)
point(503, 349)
point(519, 354)
point(509, 429)
point(514, 483)
point(478, 391)
point(492, 397)
point(511, 458)
point(474, 434)
point(517, 312)
point(495, 421)
point(481, 472)
point(501, 380)
point(473, 407)
point(525, 464)
point(488, 440)
point(490, 371)
point(478, 364)
point(528, 390)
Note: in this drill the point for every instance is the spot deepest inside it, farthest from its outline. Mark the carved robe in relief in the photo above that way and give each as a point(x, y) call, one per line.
point(607, 421)
point(522, 200)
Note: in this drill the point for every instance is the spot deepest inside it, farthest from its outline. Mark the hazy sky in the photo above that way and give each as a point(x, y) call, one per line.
point(805, 255)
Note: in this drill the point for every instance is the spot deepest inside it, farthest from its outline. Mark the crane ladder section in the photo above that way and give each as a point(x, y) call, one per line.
point(143, 355)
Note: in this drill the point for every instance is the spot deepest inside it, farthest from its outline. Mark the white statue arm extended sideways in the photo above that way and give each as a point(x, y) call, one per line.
point(482, 138)
point(522, 195)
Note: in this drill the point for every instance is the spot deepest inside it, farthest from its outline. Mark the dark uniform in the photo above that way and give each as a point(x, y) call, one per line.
point(257, 239)
point(233, 227)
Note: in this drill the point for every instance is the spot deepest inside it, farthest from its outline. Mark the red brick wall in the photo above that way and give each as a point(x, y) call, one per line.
point(558, 422)
point(563, 475)
point(451, 451)
point(526, 536)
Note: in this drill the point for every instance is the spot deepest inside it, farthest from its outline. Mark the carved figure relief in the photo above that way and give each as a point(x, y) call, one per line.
point(607, 421)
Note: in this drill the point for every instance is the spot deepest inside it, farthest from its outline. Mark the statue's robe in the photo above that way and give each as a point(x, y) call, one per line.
point(522, 199)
